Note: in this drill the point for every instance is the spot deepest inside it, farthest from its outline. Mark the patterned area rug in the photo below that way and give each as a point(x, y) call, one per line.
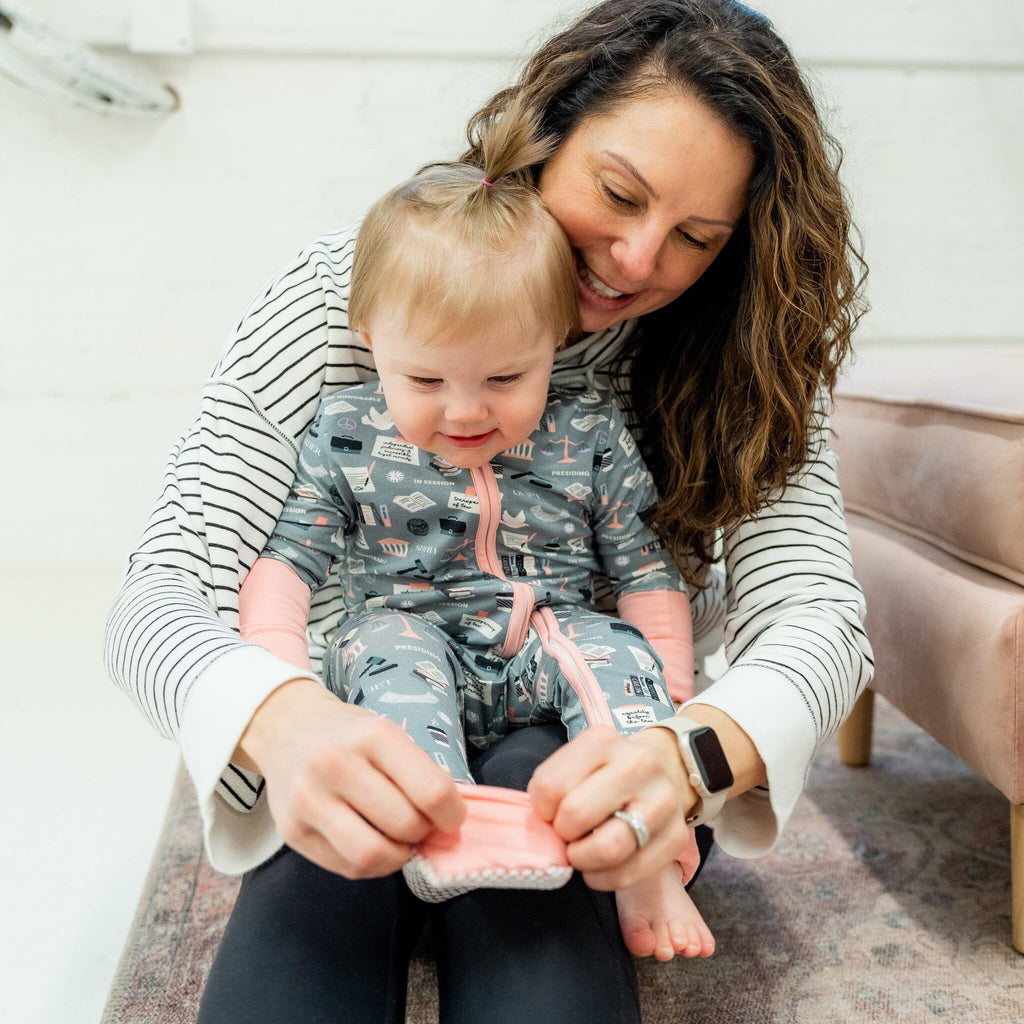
point(888, 900)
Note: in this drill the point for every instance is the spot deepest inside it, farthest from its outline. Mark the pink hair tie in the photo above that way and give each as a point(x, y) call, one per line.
point(489, 184)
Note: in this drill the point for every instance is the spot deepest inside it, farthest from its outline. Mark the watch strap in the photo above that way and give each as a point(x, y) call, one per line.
point(710, 803)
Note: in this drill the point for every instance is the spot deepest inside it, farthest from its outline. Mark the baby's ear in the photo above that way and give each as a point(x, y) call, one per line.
point(365, 335)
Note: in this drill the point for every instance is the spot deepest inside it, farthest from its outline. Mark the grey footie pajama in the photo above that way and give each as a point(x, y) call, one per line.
point(582, 667)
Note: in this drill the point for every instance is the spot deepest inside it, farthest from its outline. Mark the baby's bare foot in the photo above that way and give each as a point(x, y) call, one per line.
point(658, 918)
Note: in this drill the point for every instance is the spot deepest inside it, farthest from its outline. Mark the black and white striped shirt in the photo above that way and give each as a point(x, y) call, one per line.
point(791, 609)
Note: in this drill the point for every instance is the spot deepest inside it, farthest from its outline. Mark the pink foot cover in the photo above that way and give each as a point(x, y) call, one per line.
point(502, 844)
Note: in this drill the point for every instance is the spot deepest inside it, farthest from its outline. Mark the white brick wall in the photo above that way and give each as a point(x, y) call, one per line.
point(128, 246)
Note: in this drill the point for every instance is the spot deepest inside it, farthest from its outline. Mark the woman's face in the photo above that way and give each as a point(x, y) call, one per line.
point(648, 195)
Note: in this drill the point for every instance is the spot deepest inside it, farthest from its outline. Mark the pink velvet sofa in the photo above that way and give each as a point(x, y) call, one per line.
point(931, 461)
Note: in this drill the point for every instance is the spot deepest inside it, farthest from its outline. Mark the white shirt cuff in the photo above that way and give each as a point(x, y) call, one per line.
point(220, 706)
point(761, 702)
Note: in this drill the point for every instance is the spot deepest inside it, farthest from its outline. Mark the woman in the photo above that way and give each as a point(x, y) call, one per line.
point(697, 188)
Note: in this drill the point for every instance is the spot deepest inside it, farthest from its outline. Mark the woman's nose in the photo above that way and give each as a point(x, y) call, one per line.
point(636, 252)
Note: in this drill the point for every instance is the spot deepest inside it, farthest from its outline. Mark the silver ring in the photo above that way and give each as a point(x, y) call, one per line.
point(635, 820)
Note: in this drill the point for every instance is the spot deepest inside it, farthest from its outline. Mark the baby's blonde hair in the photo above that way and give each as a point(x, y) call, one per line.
point(458, 248)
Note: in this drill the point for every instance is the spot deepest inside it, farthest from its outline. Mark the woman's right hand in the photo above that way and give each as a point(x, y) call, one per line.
point(348, 789)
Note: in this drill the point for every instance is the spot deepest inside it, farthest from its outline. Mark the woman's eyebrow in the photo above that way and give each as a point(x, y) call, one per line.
point(630, 168)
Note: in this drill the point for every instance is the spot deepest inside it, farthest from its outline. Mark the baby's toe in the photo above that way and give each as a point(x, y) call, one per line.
point(638, 935)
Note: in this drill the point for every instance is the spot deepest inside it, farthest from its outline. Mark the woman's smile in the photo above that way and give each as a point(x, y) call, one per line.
point(600, 289)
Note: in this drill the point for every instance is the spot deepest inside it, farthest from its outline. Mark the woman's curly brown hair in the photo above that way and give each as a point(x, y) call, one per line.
point(724, 379)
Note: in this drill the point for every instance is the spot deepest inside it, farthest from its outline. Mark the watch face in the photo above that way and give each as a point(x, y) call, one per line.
point(711, 760)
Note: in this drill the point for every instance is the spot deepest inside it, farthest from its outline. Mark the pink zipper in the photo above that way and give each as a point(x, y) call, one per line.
point(574, 667)
point(523, 595)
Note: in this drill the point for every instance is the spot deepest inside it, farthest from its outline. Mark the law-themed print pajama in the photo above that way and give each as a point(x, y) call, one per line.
point(470, 591)
point(582, 667)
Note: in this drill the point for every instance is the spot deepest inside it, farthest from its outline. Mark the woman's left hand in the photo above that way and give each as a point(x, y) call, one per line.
point(581, 785)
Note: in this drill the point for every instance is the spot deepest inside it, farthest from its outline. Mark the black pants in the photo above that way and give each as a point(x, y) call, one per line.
point(307, 946)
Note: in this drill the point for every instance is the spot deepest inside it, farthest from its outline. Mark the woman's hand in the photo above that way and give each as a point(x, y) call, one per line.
point(347, 788)
point(581, 785)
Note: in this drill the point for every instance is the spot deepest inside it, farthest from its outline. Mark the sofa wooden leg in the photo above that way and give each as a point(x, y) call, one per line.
point(1017, 874)
point(855, 732)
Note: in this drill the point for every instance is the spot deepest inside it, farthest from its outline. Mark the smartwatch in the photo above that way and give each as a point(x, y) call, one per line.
point(707, 767)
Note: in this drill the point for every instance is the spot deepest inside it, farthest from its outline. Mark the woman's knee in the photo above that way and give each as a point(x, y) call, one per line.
point(512, 760)
point(553, 956)
point(306, 945)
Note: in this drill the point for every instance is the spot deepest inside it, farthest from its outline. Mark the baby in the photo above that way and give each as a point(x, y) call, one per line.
point(466, 506)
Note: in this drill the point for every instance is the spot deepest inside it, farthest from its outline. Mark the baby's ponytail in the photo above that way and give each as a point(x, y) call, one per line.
point(463, 245)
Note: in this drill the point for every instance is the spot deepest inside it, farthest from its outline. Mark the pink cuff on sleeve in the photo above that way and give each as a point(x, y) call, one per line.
point(663, 616)
point(273, 608)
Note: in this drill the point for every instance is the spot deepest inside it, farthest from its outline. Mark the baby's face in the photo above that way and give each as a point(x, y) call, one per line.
point(465, 399)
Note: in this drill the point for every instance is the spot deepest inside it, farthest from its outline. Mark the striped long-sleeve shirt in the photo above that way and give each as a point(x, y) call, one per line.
point(791, 608)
